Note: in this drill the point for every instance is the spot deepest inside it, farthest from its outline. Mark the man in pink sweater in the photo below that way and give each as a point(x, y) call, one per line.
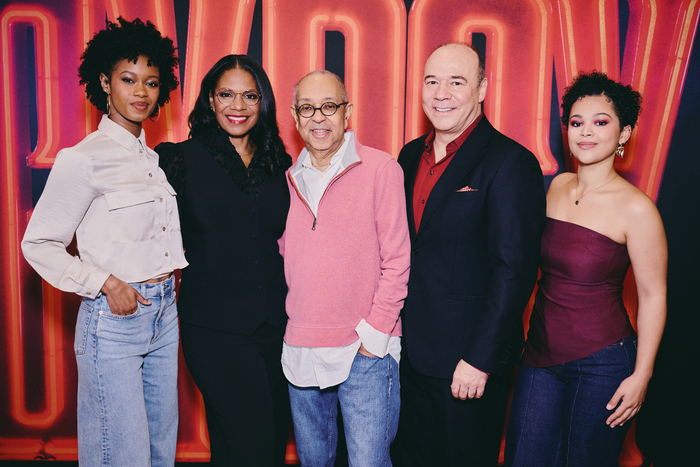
point(347, 253)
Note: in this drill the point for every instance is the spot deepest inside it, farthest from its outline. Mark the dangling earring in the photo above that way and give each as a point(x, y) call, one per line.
point(620, 151)
point(108, 105)
point(157, 114)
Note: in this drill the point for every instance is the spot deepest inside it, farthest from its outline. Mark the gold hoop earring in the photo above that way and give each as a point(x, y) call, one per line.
point(620, 151)
point(108, 105)
point(157, 112)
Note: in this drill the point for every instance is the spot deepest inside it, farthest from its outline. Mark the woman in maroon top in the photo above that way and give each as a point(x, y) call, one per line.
point(584, 372)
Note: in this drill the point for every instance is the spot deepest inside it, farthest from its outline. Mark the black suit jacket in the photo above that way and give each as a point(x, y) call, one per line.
point(475, 255)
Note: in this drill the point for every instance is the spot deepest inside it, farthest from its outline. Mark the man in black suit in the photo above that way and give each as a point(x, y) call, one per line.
point(476, 211)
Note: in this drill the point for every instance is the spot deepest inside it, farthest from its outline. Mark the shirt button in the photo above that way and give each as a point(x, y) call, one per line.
point(163, 229)
point(257, 261)
point(432, 172)
point(167, 254)
point(260, 287)
point(161, 200)
point(88, 294)
point(141, 151)
point(253, 236)
point(422, 201)
point(252, 182)
point(150, 175)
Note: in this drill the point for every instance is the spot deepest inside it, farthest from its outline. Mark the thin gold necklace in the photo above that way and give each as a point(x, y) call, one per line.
point(579, 198)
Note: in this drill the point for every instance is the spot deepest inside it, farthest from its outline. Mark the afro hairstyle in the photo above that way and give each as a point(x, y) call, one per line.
point(127, 40)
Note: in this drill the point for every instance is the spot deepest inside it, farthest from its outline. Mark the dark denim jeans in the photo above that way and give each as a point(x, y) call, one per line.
point(558, 414)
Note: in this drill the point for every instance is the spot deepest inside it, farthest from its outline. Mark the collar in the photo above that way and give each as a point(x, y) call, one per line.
point(458, 141)
point(121, 136)
point(336, 159)
point(347, 154)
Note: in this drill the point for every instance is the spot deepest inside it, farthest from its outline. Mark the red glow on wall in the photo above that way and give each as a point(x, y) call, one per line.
point(528, 43)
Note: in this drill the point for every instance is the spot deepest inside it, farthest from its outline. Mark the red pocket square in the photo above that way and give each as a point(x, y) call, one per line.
point(467, 188)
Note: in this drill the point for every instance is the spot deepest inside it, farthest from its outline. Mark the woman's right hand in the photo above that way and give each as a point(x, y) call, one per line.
point(121, 297)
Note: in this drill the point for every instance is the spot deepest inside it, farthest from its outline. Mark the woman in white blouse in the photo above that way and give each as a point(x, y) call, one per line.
point(109, 193)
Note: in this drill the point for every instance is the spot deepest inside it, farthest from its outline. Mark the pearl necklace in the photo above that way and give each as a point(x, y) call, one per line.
point(590, 191)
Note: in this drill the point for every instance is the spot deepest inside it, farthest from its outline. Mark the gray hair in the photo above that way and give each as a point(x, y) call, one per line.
point(343, 91)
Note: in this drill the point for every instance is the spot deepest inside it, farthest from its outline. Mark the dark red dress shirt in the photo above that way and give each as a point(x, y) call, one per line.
point(429, 171)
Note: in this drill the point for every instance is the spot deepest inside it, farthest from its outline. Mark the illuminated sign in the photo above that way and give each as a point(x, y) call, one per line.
point(530, 44)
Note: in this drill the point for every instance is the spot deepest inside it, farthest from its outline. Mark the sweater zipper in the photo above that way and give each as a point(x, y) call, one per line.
point(303, 200)
point(313, 226)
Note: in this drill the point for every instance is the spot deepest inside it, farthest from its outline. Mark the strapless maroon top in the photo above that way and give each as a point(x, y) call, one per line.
point(578, 307)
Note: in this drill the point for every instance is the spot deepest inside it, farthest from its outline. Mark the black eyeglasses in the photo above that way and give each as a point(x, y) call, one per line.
point(226, 97)
point(327, 109)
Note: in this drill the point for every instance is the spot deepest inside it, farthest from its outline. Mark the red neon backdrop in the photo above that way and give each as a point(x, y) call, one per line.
point(529, 43)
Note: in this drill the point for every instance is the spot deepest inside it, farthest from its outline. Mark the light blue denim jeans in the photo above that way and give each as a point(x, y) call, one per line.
point(370, 402)
point(127, 381)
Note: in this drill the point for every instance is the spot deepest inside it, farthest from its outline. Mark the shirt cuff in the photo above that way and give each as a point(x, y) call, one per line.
point(375, 342)
point(93, 287)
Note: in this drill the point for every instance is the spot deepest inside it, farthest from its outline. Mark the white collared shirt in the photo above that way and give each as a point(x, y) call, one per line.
point(330, 366)
point(109, 192)
point(316, 181)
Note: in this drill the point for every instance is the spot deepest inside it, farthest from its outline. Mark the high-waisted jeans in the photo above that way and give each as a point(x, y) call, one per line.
point(558, 414)
point(127, 380)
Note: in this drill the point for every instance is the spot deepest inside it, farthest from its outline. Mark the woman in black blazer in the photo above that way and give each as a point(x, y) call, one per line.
point(233, 202)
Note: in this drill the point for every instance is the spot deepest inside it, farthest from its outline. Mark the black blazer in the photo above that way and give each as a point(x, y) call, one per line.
point(235, 278)
point(475, 256)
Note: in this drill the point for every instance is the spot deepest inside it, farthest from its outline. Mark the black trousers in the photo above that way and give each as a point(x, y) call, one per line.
point(244, 390)
point(437, 429)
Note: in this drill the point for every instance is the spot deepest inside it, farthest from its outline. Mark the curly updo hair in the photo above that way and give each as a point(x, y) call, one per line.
point(127, 40)
point(265, 134)
point(626, 102)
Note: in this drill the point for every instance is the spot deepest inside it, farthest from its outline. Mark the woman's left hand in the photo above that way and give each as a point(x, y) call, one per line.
point(630, 395)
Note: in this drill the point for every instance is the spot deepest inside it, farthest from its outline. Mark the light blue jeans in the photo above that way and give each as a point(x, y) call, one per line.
point(127, 381)
point(370, 402)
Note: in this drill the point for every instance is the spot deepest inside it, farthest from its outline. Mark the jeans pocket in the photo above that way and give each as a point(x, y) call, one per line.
point(368, 357)
point(616, 345)
point(107, 313)
point(81, 328)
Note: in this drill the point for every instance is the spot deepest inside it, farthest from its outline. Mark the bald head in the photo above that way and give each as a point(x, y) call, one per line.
point(323, 131)
point(453, 88)
point(454, 46)
point(339, 82)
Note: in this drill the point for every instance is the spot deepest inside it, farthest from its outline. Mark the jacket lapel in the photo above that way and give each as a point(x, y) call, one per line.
point(410, 172)
point(461, 164)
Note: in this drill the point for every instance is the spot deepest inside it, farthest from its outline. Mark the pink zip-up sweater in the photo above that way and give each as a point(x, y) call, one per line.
point(351, 261)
